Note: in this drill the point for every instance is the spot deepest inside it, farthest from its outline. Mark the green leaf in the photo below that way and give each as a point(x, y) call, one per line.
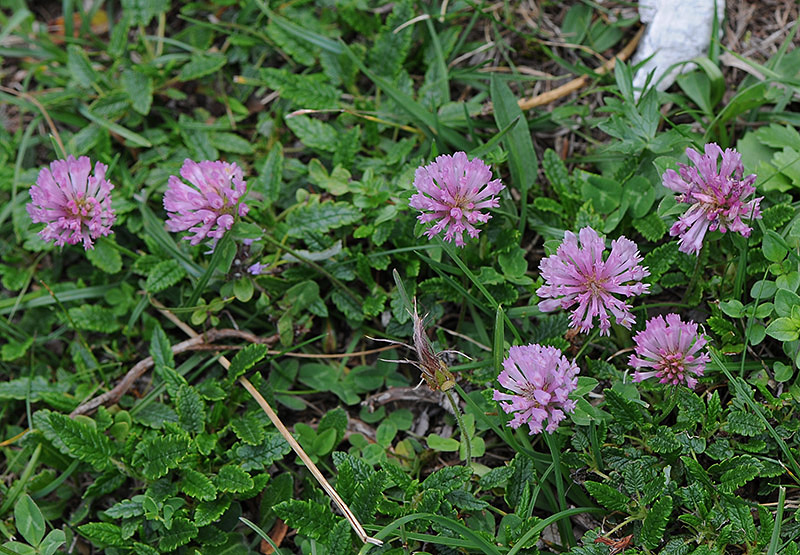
point(773, 246)
point(444, 444)
point(245, 360)
point(191, 409)
point(625, 412)
point(605, 194)
point(256, 457)
point(655, 522)
point(783, 329)
point(652, 227)
point(313, 133)
point(127, 508)
point(321, 217)
point(233, 478)
point(102, 534)
point(744, 423)
point(785, 300)
point(160, 348)
point(105, 256)
point(92, 317)
point(210, 511)
point(230, 142)
point(12, 351)
point(79, 66)
point(83, 440)
point(307, 91)
point(448, 479)
point(181, 533)
point(309, 518)
point(28, 520)
point(165, 274)
point(52, 541)
point(198, 485)
point(518, 142)
point(200, 65)
point(139, 88)
point(249, 429)
point(158, 455)
point(610, 498)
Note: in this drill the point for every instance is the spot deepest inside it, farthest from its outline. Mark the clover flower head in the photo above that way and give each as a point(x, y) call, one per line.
point(72, 202)
point(454, 190)
point(716, 195)
point(541, 379)
point(209, 204)
point(671, 348)
point(579, 275)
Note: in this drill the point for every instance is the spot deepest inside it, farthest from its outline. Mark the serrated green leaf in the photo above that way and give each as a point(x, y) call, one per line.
point(652, 227)
point(655, 522)
point(249, 429)
point(245, 360)
point(231, 142)
point(626, 413)
point(368, 495)
point(744, 423)
point(209, 511)
point(313, 133)
point(83, 440)
point(158, 455)
point(139, 88)
point(200, 65)
point(307, 91)
point(127, 508)
point(448, 479)
point(180, 533)
point(94, 318)
point(233, 478)
point(610, 498)
point(309, 518)
point(165, 274)
point(340, 540)
point(191, 409)
point(102, 534)
point(198, 485)
point(105, 256)
point(321, 217)
point(256, 457)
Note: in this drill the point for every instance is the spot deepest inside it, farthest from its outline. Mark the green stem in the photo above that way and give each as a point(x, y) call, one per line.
point(564, 526)
point(462, 428)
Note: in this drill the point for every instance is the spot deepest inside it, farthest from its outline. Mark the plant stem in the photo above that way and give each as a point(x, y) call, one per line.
point(564, 526)
point(461, 427)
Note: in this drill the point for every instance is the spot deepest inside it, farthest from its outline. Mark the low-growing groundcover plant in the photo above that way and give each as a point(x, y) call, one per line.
point(222, 221)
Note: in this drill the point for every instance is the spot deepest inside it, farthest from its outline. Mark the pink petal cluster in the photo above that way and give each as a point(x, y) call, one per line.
point(579, 275)
point(670, 347)
point(541, 379)
point(716, 196)
point(454, 190)
point(209, 204)
point(74, 204)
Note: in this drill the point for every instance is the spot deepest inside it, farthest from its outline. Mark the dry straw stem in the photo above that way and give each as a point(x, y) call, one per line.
point(348, 514)
point(579, 82)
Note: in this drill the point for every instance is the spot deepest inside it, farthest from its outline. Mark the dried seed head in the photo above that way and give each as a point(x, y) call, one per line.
point(434, 370)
